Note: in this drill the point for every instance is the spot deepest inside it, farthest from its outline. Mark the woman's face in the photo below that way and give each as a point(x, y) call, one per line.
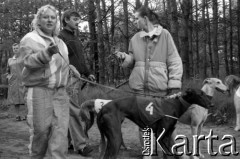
point(140, 22)
point(48, 21)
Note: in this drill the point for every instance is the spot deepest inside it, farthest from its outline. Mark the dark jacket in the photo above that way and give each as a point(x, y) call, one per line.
point(75, 50)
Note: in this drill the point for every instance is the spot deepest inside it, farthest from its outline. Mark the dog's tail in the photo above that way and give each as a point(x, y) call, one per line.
point(87, 114)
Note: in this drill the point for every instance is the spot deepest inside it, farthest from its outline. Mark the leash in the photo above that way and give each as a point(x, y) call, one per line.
point(171, 117)
point(185, 103)
point(108, 87)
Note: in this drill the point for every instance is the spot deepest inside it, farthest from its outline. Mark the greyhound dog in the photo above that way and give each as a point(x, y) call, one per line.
point(89, 109)
point(196, 115)
point(233, 83)
point(145, 112)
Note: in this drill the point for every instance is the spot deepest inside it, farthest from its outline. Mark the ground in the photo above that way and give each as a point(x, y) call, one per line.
point(14, 139)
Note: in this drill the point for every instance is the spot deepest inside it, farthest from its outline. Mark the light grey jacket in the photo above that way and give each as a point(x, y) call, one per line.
point(157, 64)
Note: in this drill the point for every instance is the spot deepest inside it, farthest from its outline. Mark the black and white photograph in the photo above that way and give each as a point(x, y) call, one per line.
point(119, 79)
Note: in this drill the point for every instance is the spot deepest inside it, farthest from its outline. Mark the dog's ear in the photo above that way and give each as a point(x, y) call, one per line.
point(189, 91)
point(207, 80)
point(86, 108)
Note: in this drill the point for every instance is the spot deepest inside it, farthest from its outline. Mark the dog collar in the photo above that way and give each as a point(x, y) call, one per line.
point(185, 103)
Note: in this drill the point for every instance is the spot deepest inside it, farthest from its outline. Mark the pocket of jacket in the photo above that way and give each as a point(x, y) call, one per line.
point(136, 78)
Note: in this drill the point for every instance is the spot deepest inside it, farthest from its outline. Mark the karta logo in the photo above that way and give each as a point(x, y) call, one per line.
point(182, 144)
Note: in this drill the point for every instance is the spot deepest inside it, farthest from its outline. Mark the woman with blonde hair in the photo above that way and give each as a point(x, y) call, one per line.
point(45, 75)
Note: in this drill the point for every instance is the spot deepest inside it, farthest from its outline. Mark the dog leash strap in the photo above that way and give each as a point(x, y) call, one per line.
point(111, 88)
point(171, 117)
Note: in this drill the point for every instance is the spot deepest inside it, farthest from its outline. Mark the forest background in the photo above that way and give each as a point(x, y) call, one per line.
point(206, 33)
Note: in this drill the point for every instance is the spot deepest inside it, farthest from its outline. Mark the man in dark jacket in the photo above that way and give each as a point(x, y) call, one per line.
point(70, 21)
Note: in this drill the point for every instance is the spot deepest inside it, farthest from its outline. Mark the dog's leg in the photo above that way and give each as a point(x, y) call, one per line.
point(167, 140)
point(103, 146)
point(237, 108)
point(114, 137)
point(124, 146)
point(237, 128)
point(199, 133)
point(112, 131)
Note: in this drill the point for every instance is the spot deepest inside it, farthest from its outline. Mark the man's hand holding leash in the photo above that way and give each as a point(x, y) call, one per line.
point(92, 78)
point(120, 55)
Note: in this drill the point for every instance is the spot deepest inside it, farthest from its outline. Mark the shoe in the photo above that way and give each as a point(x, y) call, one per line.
point(24, 118)
point(85, 151)
point(70, 147)
point(18, 118)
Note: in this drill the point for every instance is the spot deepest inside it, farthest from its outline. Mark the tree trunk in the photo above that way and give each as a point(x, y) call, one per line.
point(172, 7)
point(190, 35)
point(93, 37)
point(197, 39)
point(138, 4)
point(106, 37)
point(230, 38)
point(125, 26)
point(146, 3)
point(101, 50)
point(238, 30)
point(112, 63)
point(209, 40)
point(185, 41)
point(215, 36)
point(225, 44)
point(205, 59)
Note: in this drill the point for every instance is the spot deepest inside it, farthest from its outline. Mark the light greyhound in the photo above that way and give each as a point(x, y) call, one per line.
point(196, 115)
point(233, 83)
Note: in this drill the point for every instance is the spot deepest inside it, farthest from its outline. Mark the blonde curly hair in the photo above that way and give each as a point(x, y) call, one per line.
point(40, 12)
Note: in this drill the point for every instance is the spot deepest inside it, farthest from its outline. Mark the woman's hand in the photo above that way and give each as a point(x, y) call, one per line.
point(52, 49)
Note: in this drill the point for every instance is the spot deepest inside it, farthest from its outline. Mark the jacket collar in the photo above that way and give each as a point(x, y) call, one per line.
point(42, 34)
point(156, 31)
point(69, 31)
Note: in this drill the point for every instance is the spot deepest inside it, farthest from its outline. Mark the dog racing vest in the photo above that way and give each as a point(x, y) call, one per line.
point(150, 109)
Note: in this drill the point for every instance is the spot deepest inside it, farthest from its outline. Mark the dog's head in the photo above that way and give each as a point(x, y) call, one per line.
point(86, 114)
point(232, 82)
point(212, 84)
point(88, 110)
point(197, 96)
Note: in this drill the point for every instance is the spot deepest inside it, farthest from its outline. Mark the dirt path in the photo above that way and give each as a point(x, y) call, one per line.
point(14, 138)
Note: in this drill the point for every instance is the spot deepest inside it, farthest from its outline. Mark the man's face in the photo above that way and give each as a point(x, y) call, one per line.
point(73, 22)
point(140, 22)
point(15, 49)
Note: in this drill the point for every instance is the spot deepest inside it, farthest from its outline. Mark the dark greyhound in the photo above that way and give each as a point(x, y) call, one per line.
point(145, 112)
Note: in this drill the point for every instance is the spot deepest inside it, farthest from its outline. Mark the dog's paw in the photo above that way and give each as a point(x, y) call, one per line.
point(237, 128)
point(126, 147)
point(188, 157)
point(201, 155)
